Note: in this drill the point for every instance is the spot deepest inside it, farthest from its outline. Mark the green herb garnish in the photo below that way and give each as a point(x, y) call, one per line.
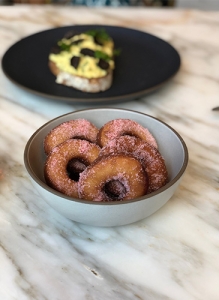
point(99, 35)
point(116, 52)
point(101, 55)
point(63, 46)
point(104, 56)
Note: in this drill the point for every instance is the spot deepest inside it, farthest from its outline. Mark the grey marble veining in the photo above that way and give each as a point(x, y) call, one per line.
point(171, 255)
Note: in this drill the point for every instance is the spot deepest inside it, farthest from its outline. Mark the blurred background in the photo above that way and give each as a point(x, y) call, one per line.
point(198, 4)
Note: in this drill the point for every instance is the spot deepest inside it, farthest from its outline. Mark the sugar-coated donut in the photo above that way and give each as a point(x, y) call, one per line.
point(67, 160)
point(149, 156)
point(121, 127)
point(79, 128)
point(114, 177)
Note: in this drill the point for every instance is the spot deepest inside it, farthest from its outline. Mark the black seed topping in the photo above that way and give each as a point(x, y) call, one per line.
point(87, 51)
point(103, 64)
point(55, 49)
point(98, 41)
point(75, 61)
point(77, 42)
point(69, 34)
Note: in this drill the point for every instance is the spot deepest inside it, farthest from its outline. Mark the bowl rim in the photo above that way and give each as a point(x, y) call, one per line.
point(108, 203)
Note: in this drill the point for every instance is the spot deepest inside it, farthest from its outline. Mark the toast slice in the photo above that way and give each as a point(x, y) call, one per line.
point(84, 61)
point(89, 85)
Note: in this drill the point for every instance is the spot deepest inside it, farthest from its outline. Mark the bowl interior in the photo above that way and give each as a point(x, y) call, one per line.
point(170, 144)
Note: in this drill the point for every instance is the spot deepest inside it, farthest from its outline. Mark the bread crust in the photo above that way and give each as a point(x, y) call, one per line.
point(90, 85)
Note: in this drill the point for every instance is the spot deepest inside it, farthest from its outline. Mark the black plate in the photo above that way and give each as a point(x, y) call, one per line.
point(145, 63)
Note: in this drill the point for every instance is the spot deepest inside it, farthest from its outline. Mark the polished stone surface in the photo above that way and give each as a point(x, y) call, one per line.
point(172, 254)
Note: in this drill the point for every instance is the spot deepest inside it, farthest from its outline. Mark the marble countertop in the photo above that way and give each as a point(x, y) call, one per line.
point(173, 254)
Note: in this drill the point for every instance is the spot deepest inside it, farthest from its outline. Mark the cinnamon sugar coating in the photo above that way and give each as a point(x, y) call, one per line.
point(125, 169)
point(129, 164)
point(79, 128)
point(150, 158)
point(56, 164)
point(120, 127)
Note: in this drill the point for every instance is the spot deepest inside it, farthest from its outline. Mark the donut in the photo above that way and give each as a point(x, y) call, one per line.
point(113, 178)
point(66, 161)
point(120, 127)
point(150, 158)
point(79, 129)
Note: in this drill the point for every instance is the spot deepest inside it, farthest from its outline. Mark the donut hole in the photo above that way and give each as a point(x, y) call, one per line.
point(114, 190)
point(74, 167)
point(129, 133)
point(81, 138)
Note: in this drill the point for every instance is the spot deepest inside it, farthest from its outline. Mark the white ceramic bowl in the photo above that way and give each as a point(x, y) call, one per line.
point(171, 146)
